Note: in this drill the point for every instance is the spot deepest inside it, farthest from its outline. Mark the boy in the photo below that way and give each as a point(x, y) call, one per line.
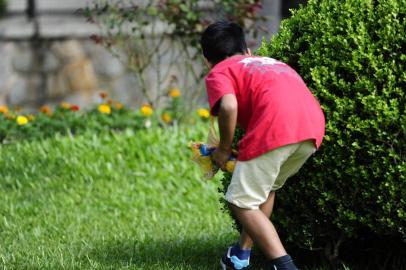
point(284, 125)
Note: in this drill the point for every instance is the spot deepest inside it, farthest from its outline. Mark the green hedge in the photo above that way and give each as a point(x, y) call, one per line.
point(351, 54)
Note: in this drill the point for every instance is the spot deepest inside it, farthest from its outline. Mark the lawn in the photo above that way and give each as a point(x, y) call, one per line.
point(110, 201)
point(128, 200)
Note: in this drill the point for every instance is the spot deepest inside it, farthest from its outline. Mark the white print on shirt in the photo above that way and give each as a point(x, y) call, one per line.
point(266, 64)
point(259, 61)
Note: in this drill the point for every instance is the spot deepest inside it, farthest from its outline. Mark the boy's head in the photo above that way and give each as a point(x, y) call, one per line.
point(221, 40)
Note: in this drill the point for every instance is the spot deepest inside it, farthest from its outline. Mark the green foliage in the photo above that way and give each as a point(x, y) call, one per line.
point(189, 18)
point(3, 6)
point(351, 54)
point(67, 119)
point(109, 201)
point(64, 121)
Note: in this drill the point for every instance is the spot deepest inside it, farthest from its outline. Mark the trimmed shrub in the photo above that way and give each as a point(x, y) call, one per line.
point(351, 54)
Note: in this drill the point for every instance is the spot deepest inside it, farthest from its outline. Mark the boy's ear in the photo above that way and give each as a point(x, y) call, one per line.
point(248, 52)
point(209, 65)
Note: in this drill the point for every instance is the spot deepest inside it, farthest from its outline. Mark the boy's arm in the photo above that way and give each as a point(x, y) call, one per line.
point(227, 119)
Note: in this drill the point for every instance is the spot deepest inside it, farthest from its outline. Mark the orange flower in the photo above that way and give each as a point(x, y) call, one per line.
point(74, 108)
point(166, 117)
point(103, 94)
point(3, 109)
point(118, 105)
point(146, 110)
point(17, 109)
point(109, 101)
point(45, 109)
point(174, 92)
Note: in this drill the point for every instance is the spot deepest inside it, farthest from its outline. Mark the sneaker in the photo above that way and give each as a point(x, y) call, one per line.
point(232, 263)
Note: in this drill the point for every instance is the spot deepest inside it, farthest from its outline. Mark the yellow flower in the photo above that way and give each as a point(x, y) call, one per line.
point(22, 120)
point(203, 113)
point(31, 117)
point(166, 117)
point(118, 105)
point(3, 109)
point(174, 92)
point(146, 110)
point(104, 108)
point(65, 105)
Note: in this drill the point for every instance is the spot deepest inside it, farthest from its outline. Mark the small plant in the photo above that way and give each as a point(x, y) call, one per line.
point(165, 31)
point(67, 118)
point(108, 115)
point(3, 6)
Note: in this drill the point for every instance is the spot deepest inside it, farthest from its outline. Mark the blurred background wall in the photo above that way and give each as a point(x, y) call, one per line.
point(47, 56)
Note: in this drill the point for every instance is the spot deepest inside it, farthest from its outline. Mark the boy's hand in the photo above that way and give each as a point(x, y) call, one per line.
point(220, 158)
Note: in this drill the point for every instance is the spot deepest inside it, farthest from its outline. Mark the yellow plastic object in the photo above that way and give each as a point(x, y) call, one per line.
point(230, 166)
point(203, 159)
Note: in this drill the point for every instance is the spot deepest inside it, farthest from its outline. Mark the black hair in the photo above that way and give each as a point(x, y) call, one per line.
point(221, 40)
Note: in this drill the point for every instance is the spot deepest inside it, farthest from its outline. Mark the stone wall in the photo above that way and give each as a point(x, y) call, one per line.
point(51, 59)
point(33, 74)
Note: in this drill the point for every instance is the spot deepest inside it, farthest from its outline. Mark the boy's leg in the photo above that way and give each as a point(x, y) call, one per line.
point(252, 182)
point(290, 167)
point(246, 242)
point(263, 233)
point(242, 249)
point(261, 230)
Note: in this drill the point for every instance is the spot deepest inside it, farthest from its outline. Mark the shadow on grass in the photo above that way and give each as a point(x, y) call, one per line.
point(205, 253)
point(155, 254)
point(166, 254)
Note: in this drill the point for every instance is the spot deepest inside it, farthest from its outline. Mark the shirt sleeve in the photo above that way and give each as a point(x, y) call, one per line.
point(218, 85)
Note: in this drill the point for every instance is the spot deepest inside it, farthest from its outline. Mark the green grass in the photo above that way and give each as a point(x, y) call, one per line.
point(110, 201)
point(118, 201)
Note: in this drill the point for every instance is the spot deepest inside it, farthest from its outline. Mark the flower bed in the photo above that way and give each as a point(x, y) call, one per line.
point(108, 115)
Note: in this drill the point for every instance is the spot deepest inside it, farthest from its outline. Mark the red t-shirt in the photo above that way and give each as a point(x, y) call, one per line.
point(274, 105)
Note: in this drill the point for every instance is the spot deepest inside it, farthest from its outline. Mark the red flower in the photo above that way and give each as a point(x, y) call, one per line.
point(74, 108)
point(97, 39)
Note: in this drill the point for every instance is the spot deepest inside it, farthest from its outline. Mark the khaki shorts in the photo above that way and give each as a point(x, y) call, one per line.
point(254, 179)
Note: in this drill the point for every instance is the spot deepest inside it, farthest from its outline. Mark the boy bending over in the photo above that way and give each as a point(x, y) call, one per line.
point(283, 123)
